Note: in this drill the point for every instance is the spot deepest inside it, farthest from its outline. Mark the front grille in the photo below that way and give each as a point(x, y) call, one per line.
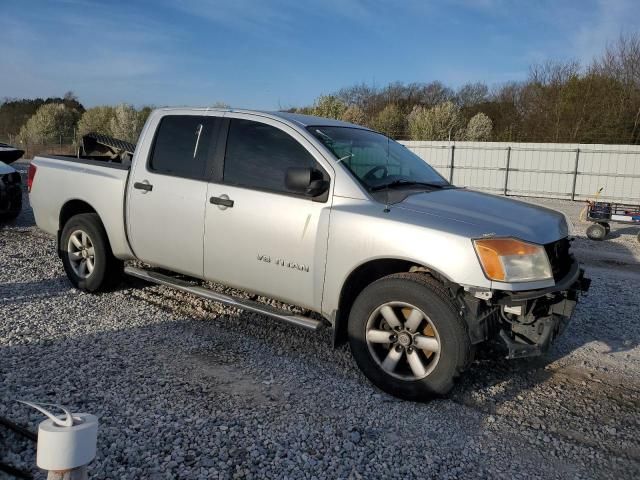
point(559, 257)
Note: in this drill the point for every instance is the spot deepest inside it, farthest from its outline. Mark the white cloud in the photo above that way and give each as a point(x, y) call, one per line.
point(272, 18)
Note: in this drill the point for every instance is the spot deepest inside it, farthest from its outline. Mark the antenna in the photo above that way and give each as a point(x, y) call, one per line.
point(386, 206)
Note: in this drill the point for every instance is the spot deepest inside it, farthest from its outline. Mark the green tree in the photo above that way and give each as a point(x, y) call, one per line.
point(329, 106)
point(354, 114)
point(143, 114)
point(14, 113)
point(96, 120)
point(51, 123)
point(479, 128)
point(126, 123)
point(391, 121)
point(442, 122)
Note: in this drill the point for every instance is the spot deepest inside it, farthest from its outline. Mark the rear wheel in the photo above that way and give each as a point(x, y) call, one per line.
point(86, 254)
point(407, 337)
point(596, 231)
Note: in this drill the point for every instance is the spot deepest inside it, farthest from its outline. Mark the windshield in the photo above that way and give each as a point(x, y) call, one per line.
point(375, 160)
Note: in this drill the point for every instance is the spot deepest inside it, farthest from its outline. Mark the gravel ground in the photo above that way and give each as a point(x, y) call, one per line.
point(191, 389)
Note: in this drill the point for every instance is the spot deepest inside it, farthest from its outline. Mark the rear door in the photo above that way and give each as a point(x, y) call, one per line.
point(167, 193)
point(259, 236)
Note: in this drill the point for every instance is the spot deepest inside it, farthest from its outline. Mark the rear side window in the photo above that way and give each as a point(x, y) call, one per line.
point(183, 146)
point(258, 156)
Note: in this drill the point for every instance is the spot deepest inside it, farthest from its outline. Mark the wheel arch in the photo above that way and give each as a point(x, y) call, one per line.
point(365, 274)
point(70, 209)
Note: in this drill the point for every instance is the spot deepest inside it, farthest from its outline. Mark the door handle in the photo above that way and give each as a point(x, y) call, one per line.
point(222, 201)
point(145, 186)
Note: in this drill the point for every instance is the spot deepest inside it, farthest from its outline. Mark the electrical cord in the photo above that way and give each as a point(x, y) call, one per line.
point(23, 432)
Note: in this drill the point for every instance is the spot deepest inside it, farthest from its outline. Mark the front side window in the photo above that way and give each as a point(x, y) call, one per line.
point(375, 160)
point(259, 155)
point(183, 146)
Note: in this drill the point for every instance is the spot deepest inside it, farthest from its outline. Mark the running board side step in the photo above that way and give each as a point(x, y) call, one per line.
point(256, 307)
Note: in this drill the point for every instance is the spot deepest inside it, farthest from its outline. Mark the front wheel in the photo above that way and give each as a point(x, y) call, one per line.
point(407, 337)
point(86, 254)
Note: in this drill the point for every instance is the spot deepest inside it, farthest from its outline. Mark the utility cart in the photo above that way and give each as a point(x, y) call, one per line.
point(604, 213)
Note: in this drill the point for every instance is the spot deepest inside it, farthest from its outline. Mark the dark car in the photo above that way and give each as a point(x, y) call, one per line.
point(10, 183)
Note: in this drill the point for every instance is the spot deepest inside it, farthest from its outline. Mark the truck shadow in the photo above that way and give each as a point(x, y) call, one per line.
point(25, 292)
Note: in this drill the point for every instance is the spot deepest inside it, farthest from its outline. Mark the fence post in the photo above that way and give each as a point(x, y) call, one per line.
point(506, 172)
point(453, 149)
point(575, 175)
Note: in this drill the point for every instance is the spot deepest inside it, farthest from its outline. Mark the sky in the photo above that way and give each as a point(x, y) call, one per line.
point(276, 54)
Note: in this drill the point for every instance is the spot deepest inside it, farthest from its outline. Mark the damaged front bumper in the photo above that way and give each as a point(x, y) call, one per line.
point(532, 320)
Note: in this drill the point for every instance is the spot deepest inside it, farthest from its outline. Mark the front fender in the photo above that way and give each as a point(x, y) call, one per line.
point(362, 231)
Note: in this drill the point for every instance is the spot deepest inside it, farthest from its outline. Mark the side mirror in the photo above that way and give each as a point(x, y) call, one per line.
point(307, 181)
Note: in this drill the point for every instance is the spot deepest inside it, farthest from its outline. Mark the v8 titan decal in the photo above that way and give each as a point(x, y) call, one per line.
point(283, 263)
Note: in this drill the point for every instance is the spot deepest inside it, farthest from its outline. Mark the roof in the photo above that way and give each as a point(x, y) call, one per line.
point(296, 118)
point(311, 120)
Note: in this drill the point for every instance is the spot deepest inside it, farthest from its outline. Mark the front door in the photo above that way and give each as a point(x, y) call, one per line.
point(168, 192)
point(260, 236)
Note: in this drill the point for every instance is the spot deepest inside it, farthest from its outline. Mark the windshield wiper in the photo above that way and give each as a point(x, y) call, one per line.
point(402, 183)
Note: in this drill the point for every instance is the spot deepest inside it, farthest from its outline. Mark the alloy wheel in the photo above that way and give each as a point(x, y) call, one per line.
point(403, 340)
point(81, 253)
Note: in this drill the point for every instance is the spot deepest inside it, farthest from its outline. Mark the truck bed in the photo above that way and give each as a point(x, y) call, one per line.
point(97, 160)
point(99, 184)
point(101, 150)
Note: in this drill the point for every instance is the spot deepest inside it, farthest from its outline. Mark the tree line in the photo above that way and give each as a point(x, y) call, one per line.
point(65, 120)
point(557, 102)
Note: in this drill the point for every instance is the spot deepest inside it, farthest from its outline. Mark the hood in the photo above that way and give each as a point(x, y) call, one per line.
point(486, 215)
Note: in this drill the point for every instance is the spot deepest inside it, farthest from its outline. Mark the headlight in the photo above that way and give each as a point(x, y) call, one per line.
point(511, 260)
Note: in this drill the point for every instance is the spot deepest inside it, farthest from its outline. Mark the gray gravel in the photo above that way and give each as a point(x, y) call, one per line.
point(191, 389)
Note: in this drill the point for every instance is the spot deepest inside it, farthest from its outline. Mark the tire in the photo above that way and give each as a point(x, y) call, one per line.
point(606, 226)
point(596, 231)
point(407, 294)
point(106, 270)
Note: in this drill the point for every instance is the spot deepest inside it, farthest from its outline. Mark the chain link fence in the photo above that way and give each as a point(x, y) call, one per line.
point(64, 146)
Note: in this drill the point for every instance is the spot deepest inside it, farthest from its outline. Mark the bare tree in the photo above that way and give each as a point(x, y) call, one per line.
point(472, 94)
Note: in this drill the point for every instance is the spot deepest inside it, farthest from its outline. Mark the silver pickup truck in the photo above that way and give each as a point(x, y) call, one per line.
point(328, 216)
